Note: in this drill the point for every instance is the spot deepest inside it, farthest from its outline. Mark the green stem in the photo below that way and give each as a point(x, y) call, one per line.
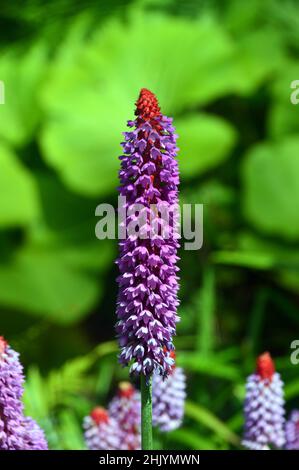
point(146, 413)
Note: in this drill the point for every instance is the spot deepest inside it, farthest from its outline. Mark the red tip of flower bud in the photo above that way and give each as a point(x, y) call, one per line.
point(99, 415)
point(147, 106)
point(3, 345)
point(265, 367)
point(125, 390)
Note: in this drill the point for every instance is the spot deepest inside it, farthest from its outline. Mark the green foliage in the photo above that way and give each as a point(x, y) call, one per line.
point(46, 286)
point(223, 70)
point(19, 203)
point(271, 174)
point(100, 75)
point(205, 417)
point(22, 72)
point(283, 117)
point(204, 142)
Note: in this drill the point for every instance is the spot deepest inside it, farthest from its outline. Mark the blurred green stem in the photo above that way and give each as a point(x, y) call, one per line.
point(146, 413)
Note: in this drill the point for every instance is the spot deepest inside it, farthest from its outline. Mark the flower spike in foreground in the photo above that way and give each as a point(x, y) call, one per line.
point(264, 407)
point(292, 431)
point(125, 408)
point(169, 399)
point(17, 432)
point(148, 283)
point(101, 431)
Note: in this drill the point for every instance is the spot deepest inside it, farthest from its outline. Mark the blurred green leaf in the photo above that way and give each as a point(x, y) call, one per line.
point(66, 228)
point(206, 418)
point(36, 395)
point(208, 364)
point(42, 284)
point(19, 203)
point(22, 73)
point(270, 174)
point(100, 79)
point(259, 56)
point(247, 65)
point(236, 423)
point(260, 253)
point(245, 259)
point(204, 142)
point(105, 375)
point(71, 432)
point(283, 115)
point(292, 389)
point(241, 19)
point(192, 439)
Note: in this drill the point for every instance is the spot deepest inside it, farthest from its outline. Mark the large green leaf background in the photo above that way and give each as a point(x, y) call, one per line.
point(74, 101)
point(19, 201)
point(88, 98)
point(271, 175)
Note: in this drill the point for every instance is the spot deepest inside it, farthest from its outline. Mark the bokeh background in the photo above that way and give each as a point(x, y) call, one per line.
point(72, 71)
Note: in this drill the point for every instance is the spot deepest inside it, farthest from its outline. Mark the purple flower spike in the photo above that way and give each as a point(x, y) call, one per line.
point(125, 408)
point(264, 407)
point(292, 431)
point(17, 432)
point(148, 282)
point(101, 431)
point(169, 400)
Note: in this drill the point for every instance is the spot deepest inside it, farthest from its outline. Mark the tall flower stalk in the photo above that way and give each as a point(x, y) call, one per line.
point(148, 284)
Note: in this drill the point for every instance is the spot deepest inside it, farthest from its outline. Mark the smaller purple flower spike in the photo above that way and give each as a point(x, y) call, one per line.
point(125, 408)
point(169, 396)
point(17, 432)
point(292, 431)
point(101, 431)
point(264, 407)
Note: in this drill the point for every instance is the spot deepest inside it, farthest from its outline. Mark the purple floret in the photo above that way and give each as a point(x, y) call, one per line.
point(292, 431)
point(148, 283)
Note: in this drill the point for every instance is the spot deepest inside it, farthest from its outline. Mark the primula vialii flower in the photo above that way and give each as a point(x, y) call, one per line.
point(125, 408)
point(169, 399)
point(17, 432)
point(264, 407)
point(292, 431)
point(148, 283)
point(101, 431)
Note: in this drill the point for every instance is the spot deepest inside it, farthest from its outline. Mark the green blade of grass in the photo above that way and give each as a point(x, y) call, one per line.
point(208, 419)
